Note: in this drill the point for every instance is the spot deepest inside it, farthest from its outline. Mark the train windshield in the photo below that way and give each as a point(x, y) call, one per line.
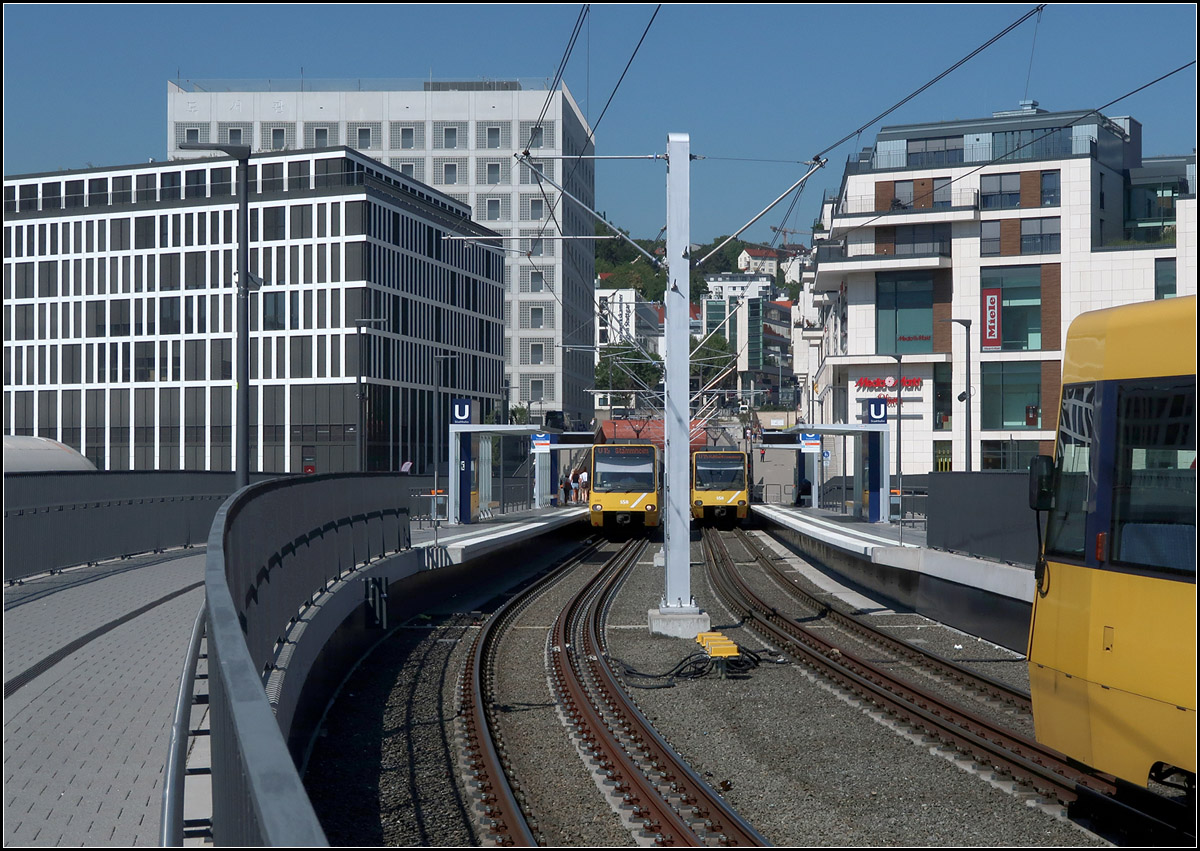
point(624, 469)
point(720, 472)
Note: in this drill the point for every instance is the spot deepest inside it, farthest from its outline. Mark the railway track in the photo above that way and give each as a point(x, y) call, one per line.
point(989, 743)
point(660, 799)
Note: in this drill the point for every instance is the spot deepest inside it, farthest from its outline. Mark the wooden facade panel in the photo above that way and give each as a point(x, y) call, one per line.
point(1051, 307)
point(1031, 190)
point(1010, 237)
point(943, 296)
point(885, 191)
point(1051, 392)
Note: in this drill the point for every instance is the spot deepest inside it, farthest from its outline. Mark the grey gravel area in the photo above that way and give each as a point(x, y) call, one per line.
point(805, 764)
point(950, 644)
point(384, 769)
point(559, 787)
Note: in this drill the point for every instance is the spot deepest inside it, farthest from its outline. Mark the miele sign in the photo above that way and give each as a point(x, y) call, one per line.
point(991, 319)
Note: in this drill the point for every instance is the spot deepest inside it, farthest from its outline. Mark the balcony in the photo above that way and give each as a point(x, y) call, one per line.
point(960, 205)
point(836, 259)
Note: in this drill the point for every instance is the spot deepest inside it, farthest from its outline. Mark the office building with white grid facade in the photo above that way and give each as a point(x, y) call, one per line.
point(461, 138)
point(120, 305)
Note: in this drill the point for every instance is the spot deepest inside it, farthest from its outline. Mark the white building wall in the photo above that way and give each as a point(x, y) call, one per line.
point(568, 265)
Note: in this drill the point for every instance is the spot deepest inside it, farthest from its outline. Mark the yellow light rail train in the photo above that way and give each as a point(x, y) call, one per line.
point(625, 486)
point(1112, 643)
point(720, 486)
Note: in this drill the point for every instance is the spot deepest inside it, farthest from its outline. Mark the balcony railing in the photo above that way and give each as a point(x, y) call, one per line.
point(839, 253)
point(956, 199)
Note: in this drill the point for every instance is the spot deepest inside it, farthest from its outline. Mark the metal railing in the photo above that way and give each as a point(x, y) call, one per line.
point(955, 199)
point(273, 549)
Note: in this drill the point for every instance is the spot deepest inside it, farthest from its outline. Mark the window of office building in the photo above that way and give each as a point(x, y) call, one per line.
point(450, 137)
point(1051, 188)
point(903, 313)
point(235, 135)
point(321, 137)
point(493, 137)
point(1164, 277)
point(493, 173)
point(1019, 291)
point(1010, 394)
point(1040, 236)
point(364, 138)
point(278, 137)
point(1007, 455)
point(947, 150)
point(537, 281)
point(1000, 191)
point(922, 240)
point(493, 209)
point(989, 239)
point(450, 173)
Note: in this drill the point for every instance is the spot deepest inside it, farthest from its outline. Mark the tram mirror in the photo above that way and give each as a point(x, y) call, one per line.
point(1041, 478)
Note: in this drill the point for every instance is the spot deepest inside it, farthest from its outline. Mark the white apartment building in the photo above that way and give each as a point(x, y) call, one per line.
point(758, 261)
point(734, 285)
point(121, 299)
point(461, 138)
point(1040, 216)
point(623, 317)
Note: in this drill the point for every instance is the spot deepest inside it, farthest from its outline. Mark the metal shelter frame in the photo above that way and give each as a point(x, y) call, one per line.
point(858, 432)
point(544, 482)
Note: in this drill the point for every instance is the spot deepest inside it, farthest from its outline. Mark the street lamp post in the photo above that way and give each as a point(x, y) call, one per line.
point(362, 420)
point(242, 154)
point(899, 441)
point(965, 396)
point(437, 441)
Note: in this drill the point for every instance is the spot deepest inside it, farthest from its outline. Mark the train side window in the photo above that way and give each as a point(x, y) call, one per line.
point(1154, 480)
point(1066, 526)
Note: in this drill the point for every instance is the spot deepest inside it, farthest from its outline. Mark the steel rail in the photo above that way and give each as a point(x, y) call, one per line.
point(972, 679)
point(1048, 771)
point(670, 802)
point(505, 817)
point(719, 821)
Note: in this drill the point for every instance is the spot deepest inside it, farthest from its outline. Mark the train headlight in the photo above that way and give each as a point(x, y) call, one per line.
point(597, 507)
point(740, 502)
point(649, 508)
point(699, 503)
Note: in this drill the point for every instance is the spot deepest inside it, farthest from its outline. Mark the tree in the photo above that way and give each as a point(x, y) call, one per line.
point(710, 359)
point(624, 367)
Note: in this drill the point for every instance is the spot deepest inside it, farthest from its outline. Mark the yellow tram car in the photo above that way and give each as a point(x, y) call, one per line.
point(625, 486)
point(1112, 643)
point(720, 486)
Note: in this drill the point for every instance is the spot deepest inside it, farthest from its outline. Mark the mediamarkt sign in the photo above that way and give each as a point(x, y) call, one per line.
point(888, 383)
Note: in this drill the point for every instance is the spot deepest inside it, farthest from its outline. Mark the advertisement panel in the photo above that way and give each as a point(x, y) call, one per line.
point(991, 320)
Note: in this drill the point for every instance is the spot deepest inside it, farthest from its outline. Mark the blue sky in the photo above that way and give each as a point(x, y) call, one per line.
point(758, 87)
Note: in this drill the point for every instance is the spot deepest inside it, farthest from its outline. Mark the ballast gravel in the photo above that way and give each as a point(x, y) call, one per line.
point(802, 761)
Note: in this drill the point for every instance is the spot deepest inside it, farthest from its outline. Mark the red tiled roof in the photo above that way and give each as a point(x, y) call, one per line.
point(648, 431)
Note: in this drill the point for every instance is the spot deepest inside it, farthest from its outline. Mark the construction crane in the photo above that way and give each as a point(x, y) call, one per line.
point(786, 231)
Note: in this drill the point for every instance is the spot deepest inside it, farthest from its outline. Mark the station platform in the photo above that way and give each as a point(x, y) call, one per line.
point(92, 661)
point(984, 597)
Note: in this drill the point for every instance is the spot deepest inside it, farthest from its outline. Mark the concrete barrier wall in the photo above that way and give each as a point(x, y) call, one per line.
point(57, 520)
point(982, 514)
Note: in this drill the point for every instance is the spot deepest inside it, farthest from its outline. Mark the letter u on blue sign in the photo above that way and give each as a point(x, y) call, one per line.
point(877, 411)
point(462, 411)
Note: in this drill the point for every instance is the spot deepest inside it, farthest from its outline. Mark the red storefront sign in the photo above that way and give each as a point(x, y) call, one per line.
point(991, 319)
point(888, 383)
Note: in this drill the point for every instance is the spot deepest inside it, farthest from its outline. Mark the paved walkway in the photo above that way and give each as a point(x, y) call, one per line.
point(92, 659)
